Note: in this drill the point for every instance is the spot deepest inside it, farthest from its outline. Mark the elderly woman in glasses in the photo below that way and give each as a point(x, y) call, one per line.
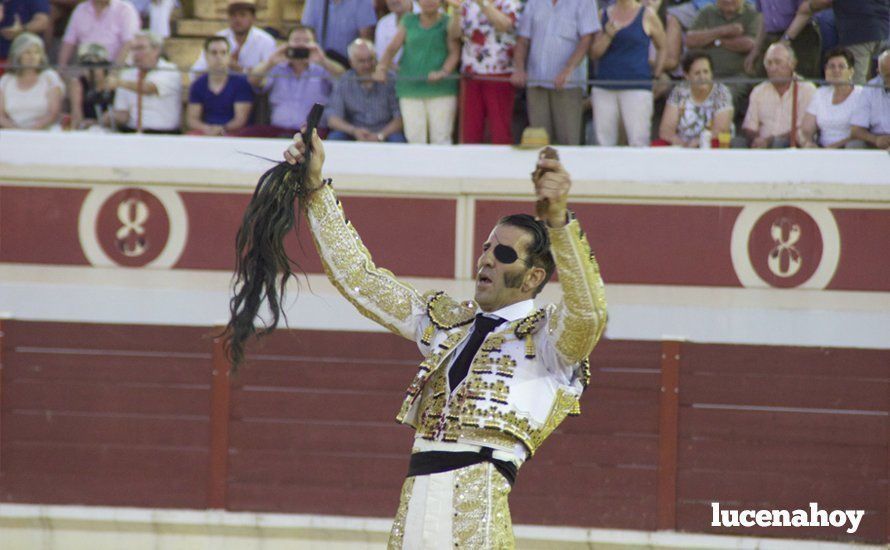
point(30, 92)
point(827, 122)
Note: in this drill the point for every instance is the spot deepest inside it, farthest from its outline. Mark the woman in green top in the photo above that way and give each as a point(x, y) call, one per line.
point(427, 97)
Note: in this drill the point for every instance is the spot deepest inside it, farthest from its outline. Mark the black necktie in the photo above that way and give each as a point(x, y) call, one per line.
point(461, 366)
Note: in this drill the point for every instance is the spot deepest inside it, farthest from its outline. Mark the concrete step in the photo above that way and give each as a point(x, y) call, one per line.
point(216, 9)
point(208, 27)
point(183, 51)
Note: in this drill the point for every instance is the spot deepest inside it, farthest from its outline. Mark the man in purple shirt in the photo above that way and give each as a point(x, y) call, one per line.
point(806, 42)
point(296, 76)
point(346, 20)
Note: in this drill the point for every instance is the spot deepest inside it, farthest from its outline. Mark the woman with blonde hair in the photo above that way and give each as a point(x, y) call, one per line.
point(30, 92)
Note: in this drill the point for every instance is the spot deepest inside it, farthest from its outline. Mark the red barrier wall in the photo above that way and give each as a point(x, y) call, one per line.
point(122, 415)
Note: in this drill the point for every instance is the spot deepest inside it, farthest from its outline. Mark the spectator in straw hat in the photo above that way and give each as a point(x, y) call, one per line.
point(249, 44)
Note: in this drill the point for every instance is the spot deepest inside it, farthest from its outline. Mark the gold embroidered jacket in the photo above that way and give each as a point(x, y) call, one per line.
point(527, 376)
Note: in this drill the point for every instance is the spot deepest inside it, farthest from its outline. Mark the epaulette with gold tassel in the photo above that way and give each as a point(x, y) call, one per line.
point(526, 328)
point(445, 314)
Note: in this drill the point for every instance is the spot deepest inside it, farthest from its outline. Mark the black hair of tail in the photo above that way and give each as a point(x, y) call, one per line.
point(263, 266)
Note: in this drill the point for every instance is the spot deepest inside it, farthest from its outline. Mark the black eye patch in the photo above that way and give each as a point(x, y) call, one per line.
point(505, 254)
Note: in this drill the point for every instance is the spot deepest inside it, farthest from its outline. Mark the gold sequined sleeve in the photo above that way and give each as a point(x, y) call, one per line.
point(374, 291)
point(580, 318)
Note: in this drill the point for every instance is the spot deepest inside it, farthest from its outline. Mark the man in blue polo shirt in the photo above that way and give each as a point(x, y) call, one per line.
point(18, 16)
point(219, 102)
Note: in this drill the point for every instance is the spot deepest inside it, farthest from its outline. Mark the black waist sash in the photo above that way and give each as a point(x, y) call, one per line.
point(435, 462)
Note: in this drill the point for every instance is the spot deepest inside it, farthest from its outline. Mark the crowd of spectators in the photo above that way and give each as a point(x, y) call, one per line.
point(689, 73)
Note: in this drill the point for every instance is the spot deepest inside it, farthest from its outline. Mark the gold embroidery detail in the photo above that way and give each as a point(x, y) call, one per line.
point(580, 318)
point(493, 342)
point(564, 403)
point(481, 363)
point(453, 339)
point(529, 347)
point(428, 333)
point(481, 509)
point(528, 324)
point(447, 313)
point(432, 406)
point(479, 389)
point(506, 365)
point(374, 291)
point(397, 533)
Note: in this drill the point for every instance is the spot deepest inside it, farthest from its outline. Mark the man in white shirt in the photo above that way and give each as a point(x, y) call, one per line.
point(148, 96)
point(250, 45)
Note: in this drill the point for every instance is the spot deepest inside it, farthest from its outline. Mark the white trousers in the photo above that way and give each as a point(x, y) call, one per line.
point(633, 108)
point(429, 119)
point(465, 508)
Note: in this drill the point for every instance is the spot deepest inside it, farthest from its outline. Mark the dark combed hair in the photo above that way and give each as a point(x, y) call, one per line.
point(302, 27)
point(841, 52)
point(263, 266)
point(693, 56)
point(539, 249)
point(211, 39)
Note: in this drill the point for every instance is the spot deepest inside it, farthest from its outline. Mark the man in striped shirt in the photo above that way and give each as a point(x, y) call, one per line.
point(550, 58)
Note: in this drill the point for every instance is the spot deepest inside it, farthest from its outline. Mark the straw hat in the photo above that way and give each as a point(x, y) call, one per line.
point(534, 138)
point(234, 4)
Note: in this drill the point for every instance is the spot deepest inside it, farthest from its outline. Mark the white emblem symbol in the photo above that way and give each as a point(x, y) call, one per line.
point(785, 251)
point(133, 214)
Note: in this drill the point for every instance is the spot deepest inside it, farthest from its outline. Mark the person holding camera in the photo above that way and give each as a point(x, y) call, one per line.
point(297, 76)
point(219, 102)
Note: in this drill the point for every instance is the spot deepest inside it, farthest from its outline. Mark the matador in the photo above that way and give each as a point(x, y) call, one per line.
point(498, 374)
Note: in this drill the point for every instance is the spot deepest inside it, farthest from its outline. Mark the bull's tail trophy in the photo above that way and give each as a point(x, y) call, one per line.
point(263, 266)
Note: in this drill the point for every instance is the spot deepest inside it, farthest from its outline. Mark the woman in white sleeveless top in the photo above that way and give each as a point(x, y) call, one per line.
point(30, 92)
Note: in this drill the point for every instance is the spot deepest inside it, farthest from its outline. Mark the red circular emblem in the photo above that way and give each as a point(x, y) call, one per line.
point(785, 247)
point(132, 227)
